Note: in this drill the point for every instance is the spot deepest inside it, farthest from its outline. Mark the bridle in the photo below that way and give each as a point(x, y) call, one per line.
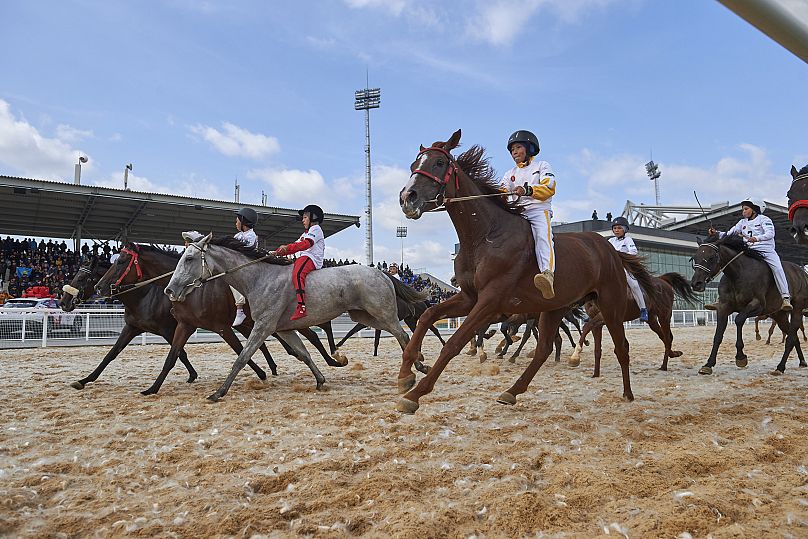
point(709, 271)
point(799, 203)
point(199, 281)
point(78, 294)
point(133, 261)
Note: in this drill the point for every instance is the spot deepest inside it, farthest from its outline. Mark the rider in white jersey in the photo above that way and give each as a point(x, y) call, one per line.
point(624, 244)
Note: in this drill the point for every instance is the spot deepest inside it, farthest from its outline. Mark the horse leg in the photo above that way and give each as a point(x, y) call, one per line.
point(525, 337)
point(575, 358)
point(722, 318)
point(479, 315)
point(548, 324)
point(259, 333)
point(653, 323)
point(312, 337)
point(597, 335)
point(740, 358)
point(354, 330)
point(128, 333)
point(181, 334)
point(329, 333)
point(245, 329)
point(771, 331)
point(614, 322)
point(300, 352)
point(376, 337)
point(757, 329)
point(557, 343)
point(566, 330)
point(457, 305)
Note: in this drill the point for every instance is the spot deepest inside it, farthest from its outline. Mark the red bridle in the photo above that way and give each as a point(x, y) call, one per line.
point(133, 259)
point(451, 168)
point(800, 203)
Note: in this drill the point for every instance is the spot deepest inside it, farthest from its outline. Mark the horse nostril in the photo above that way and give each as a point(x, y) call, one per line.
point(412, 196)
point(793, 231)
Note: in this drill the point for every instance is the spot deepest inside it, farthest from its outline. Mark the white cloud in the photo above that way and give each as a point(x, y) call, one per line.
point(26, 152)
point(393, 6)
point(234, 141)
point(71, 134)
point(295, 187)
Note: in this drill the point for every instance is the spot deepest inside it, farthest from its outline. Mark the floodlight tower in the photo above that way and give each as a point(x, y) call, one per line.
point(401, 232)
point(652, 169)
point(367, 99)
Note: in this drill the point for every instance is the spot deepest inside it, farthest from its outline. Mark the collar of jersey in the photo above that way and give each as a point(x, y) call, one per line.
point(523, 165)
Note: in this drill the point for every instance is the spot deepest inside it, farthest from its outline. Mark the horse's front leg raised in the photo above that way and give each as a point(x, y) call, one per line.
point(458, 305)
point(722, 318)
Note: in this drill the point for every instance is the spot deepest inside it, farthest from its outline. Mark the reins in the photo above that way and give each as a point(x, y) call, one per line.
point(196, 283)
point(708, 270)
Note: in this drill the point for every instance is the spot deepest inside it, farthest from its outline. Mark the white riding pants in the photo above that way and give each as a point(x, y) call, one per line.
point(773, 260)
point(240, 299)
point(539, 220)
point(636, 291)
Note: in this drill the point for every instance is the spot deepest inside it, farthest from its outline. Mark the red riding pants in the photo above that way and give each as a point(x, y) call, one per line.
point(303, 266)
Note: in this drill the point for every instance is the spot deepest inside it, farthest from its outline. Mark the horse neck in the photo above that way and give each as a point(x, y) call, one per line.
point(221, 259)
point(737, 268)
point(153, 264)
point(472, 219)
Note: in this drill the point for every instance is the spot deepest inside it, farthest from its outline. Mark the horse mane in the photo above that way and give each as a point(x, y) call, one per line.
point(251, 252)
point(141, 247)
point(476, 165)
point(736, 243)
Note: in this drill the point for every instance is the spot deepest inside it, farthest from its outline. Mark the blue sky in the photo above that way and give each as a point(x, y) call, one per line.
point(198, 93)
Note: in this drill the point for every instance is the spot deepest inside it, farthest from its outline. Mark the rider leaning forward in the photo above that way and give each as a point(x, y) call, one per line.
point(533, 184)
point(246, 219)
point(758, 231)
point(311, 247)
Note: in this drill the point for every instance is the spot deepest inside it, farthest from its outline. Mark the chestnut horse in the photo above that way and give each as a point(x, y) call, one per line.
point(798, 204)
point(496, 264)
point(659, 318)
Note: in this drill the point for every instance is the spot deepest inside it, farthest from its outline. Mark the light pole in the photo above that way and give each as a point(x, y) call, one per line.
point(77, 170)
point(652, 169)
point(401, 232)
point(367, 99)
point(126, 176)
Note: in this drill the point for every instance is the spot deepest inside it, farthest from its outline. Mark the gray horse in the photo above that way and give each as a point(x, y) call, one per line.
point(367, 294)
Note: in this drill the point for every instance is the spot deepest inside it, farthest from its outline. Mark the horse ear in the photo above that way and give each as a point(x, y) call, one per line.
point(793, 171)
point(699, 240)
point(422, 149)
point(207, 238)
point(453, 141)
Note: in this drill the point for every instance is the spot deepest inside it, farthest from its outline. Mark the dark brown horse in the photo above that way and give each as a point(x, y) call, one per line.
point(659, 318)
point(772, 327)
point(146, 310)
point(213, 308)
point(747, 287)
point(496, 264)
point(798, 204)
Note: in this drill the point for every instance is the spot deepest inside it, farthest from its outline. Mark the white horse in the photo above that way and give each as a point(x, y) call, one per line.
point(367, 294)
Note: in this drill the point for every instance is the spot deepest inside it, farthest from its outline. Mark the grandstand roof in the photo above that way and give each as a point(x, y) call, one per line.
point(42, 208)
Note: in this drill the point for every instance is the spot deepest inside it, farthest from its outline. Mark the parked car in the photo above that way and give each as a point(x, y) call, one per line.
point(33, 311)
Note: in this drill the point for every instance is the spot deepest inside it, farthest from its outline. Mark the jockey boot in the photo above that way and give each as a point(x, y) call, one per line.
point(544, 282)
point(300, 312)
point(643, 315)
point(240, 317)
point(786, 305)
point(711, 306)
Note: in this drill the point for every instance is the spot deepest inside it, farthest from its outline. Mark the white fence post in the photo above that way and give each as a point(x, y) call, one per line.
point(87, 328)
point(45, 317)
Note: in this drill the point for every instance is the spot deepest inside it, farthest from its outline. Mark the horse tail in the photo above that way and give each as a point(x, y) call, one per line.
point(681, 286)
point(577, 312)
point(407, 293)
point(635, 265)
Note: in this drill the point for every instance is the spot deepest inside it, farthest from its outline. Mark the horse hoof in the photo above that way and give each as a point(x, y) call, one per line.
point(483, 357)
point(628, 397)
point(512, 359)
point(776, 372)
point(406, 383)
point(77, 385)
point(498, 349)
point(675, 353)
point(803, 365)
point(407, 406)
point(741, 362)
point(148, 392)
point(573, 362)
point(706, 370)
point(340, 358)
point(758, 338)
point(471, 353)
point(506, 398)
point(213, 398)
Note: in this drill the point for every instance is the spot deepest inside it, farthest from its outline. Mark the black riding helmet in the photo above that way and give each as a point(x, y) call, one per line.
point(248, 217)
point(315, 213)
point(621, 221)
point(528, 139)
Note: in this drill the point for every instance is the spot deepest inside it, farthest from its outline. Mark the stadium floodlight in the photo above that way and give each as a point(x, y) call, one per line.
point(77, 170)
point(652, 169)
point(401, 232)
point(126, 176)
point(369, 98)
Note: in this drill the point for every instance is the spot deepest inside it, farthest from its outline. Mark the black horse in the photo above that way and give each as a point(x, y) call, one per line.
point(747, 288)
point(798, 204)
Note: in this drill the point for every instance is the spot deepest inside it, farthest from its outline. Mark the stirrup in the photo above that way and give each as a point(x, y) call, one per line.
point(300, 312)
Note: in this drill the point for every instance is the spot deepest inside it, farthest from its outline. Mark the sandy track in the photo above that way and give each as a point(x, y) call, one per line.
point(725, 455)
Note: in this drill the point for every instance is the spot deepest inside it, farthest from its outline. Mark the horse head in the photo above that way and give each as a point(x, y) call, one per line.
point(125, 270)
point(798, 204)
point(706, 263)
point(191, 269)
point(431, 174)
point(83, 283)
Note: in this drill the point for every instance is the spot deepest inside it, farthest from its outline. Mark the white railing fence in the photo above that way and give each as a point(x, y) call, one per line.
point(25, 328)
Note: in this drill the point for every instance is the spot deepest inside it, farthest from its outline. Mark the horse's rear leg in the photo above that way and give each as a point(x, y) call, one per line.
point(757, 329)
point(789, 325)
point(657, 328)
point(575, 358)
point(180, 337)
point(377, 335)
point(230, 338)
point(614, 323)
point(312, 337)
point(557, 342)
point(529, 327)
point(354, 330)
point(329, 333)
point(597, 336)
point(548, 328)
point(128, 333)
point(771, 332)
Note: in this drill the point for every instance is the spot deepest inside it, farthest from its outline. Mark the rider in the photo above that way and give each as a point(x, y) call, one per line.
point(246, 219)
point(534, 183)
point(758, 231)
point(624, 244)
point(311, 246)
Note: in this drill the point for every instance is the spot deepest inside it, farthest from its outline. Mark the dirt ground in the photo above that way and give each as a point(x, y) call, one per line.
point(723, 455)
